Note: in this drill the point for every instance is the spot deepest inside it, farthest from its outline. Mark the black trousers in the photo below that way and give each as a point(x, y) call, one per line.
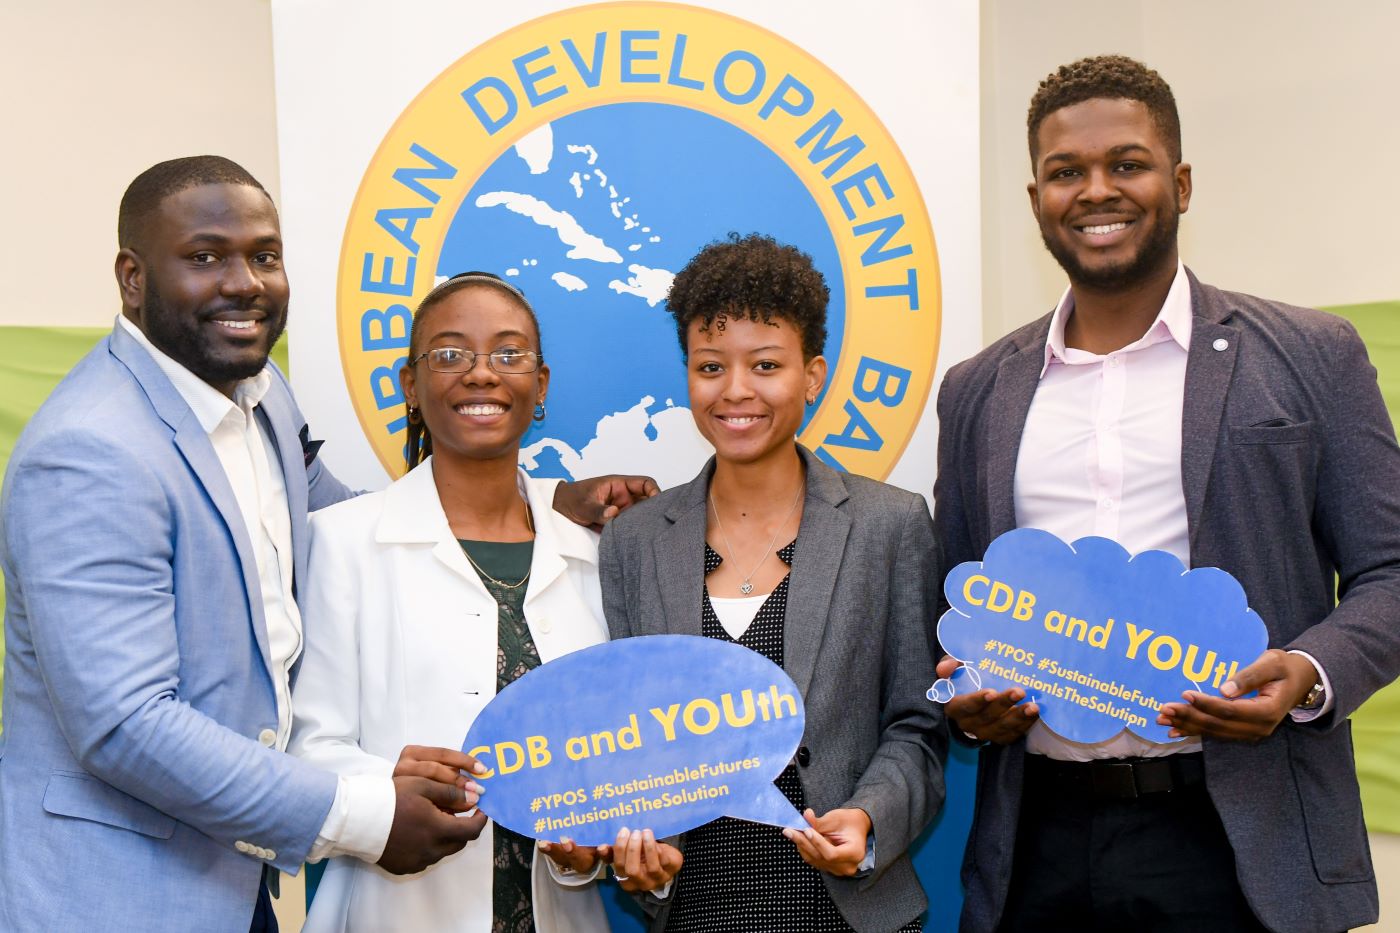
point(1159, 863)
point(264, 920)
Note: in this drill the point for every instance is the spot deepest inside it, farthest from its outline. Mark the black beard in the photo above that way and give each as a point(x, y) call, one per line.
point(176, 334)
point(1115, 278)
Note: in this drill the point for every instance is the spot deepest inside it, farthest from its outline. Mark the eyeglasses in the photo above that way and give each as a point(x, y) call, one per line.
point(457, 360)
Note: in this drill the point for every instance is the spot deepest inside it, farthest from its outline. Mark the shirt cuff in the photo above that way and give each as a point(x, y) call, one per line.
point(568, 877)
point(1308, 715)
point(360, 818)
point(867, 864)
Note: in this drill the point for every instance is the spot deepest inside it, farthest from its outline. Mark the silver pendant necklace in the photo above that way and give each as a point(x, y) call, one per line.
point(529, 523)
point(746, 587)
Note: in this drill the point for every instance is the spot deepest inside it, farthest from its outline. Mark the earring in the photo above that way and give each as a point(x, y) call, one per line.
point(540, 413)
point(414, 416)
point(812, 400)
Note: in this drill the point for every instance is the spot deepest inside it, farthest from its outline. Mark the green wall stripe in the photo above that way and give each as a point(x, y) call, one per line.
point(1376, 726)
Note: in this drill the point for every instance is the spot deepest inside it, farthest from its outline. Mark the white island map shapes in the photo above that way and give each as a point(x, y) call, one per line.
point(665, 444)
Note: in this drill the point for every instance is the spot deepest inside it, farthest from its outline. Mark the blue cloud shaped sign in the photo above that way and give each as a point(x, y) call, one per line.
point(660, 732)
point(1100, 639)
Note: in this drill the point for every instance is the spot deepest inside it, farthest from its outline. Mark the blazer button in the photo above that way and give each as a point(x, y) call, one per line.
point(545, 627)
point(243, 847)
point(267, 738)
point(804, 757)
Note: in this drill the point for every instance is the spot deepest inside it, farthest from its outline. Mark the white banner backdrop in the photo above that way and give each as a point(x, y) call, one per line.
point(587, 152)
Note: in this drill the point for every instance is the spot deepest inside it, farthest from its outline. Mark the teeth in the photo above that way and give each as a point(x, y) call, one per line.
point(480, 409)
point(747, 419)
point(1106, 228)
point(238, 325)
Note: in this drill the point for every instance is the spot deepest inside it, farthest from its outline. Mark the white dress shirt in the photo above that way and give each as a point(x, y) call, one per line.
point(359, 819)
point(1101, 455)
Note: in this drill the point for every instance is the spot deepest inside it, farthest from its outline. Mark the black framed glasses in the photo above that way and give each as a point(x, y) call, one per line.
point(510, 360)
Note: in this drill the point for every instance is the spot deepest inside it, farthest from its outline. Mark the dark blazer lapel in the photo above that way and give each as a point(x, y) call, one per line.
point(821, 545)
point(1005, 419)
point(680, 557)
point(194, 445)
point(1208, 373)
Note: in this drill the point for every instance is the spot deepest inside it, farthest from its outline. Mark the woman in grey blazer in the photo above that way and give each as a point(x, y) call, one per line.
point(828, 574)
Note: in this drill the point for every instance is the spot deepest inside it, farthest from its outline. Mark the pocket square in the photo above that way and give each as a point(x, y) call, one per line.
point(309, 448)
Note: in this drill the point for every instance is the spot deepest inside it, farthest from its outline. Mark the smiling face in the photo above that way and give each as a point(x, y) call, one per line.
point(749, 385)
point(1107, 193)
point(205, 281)
point(480, 414)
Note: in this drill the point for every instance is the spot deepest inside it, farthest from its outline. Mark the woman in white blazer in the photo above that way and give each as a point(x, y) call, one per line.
point(417, 610)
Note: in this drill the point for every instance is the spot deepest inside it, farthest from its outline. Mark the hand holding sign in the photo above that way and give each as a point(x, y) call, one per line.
point(1282, 680)
point(664, 732)
point(1097, 639)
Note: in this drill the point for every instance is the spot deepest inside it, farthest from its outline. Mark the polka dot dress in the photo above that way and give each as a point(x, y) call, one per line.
point(747, 876)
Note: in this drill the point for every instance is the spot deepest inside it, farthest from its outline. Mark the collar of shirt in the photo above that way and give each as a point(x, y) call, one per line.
point(210, 406)
point(1173, 322)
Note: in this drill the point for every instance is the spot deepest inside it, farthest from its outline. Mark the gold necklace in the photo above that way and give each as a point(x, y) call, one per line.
point(529, 523)
point(746, 587)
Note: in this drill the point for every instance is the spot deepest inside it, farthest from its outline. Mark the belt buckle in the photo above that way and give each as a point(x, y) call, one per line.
point(1114, 779)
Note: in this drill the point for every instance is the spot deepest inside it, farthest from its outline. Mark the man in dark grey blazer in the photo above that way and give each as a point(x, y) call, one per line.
point(1234, 432)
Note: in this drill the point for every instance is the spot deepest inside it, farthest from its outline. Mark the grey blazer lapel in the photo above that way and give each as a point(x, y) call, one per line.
point(1007, 408)
point(194, 445)
point(821, 545)
point(1208, 374)
point(680, 557)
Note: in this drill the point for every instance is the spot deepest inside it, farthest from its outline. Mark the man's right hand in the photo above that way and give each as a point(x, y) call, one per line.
point(426, 826)
point(989, 716)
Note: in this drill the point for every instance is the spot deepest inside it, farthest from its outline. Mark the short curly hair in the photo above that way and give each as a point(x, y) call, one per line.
point(1106, 76)
point(756, 277)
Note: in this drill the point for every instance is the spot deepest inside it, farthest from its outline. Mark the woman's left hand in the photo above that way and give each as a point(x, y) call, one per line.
point(836, 841)
point(444, 765)
point(640, 861)
point(571, 856)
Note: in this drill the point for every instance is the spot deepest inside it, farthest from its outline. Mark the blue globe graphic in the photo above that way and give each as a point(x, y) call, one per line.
point(591, 216)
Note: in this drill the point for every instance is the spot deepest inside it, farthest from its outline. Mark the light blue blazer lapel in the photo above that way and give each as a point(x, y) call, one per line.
point(679, 551)
point(1208, 374)
point(276, 415)
point(1018, 375)
point(816, 563)
point(194, 445)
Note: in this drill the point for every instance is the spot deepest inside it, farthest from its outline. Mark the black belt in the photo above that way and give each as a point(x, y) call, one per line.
point(1117, 778)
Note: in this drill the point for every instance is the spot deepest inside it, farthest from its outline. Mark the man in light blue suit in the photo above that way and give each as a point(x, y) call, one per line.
point(154, 519)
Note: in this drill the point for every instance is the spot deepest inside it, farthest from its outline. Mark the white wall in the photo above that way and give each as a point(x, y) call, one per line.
point(1290, 114)
point(95, 92)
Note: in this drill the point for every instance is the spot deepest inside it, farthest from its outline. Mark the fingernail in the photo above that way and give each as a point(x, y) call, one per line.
point(478, 768)
point(1230, 688)
point(544, 846)
point(647, 835)
point(475, 788)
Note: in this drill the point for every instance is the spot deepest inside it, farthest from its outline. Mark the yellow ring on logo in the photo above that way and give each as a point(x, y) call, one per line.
point(667, 53)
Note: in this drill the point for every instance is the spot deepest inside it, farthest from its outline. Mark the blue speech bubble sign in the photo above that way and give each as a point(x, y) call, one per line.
point(659, 732)
point(1098, 638)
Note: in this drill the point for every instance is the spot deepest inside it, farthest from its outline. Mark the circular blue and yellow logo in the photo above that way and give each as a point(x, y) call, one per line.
point(586, 156)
